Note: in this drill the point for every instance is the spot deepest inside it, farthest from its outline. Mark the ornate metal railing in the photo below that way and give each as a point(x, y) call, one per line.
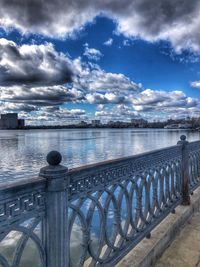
point(114, 205)
point(22, 210)
point(194, 165)
point(94, 215)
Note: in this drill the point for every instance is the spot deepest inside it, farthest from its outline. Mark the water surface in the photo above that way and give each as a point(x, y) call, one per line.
point(23, 152)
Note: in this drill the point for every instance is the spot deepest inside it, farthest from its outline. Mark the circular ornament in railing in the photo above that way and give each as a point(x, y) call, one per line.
point(54, 158)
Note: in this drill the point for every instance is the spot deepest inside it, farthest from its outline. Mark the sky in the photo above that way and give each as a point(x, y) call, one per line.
point(64, 61)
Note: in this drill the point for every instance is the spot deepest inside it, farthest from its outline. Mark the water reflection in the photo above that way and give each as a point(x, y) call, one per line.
point(23, 152)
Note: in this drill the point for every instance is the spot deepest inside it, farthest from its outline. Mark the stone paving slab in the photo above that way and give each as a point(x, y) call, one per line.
point(184, 251)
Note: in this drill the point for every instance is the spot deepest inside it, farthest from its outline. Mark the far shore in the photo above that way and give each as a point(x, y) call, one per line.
point(39, 127)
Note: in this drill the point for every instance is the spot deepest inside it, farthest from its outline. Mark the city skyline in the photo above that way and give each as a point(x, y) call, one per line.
point(80, 60)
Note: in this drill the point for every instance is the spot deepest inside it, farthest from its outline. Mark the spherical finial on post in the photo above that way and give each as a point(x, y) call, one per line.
point(183, 137)
point(182, 140)
point(54, 172)
point(54, 158)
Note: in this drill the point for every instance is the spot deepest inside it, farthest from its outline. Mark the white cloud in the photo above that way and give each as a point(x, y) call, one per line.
point(126, 42)
point(148, 105)
point(195, 84)
point(92, 53)
point(151, 104)
point(91, 84)
point(117, 112)
point(166, 104)
point(57, 116)
point(109, 42)
point(102, 87)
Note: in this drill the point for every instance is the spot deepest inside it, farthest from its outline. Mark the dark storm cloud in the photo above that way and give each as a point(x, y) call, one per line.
point(35, 65)
point(17, 107)
point(38, 96)
point(55, 17)
point(175, 20)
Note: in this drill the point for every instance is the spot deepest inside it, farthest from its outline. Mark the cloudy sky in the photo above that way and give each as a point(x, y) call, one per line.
point(63, 61)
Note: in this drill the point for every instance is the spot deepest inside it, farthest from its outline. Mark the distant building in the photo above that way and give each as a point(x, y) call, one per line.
point(11, 121)
point(118, 124)
point(96, 123)
point(178, 126)
point(171, 126)
point(185, 126)
point(110, 123)
point(139, 123)
point(83, 123)
point(21, 123)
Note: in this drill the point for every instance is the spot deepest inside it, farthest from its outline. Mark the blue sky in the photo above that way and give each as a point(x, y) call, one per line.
point(102, 61)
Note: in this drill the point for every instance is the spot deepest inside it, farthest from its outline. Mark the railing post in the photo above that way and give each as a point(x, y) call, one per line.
point(185, 170)
point(56, 221)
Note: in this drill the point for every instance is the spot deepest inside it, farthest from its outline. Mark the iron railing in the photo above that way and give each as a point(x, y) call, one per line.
point(94, 215)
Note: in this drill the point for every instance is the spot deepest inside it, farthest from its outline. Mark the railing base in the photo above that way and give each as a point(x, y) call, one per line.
point(186, 201)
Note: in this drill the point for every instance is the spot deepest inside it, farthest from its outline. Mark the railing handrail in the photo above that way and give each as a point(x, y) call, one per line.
point(104, 163)
point(23, 183)
point(22, 187)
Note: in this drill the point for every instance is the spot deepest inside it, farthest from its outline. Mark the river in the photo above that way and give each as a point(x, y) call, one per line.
point(23, 152)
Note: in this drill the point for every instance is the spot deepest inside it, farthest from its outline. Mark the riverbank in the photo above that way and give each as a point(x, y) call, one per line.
point(32, 127)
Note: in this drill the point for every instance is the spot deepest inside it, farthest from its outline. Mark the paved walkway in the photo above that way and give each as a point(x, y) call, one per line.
point(185, 249)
